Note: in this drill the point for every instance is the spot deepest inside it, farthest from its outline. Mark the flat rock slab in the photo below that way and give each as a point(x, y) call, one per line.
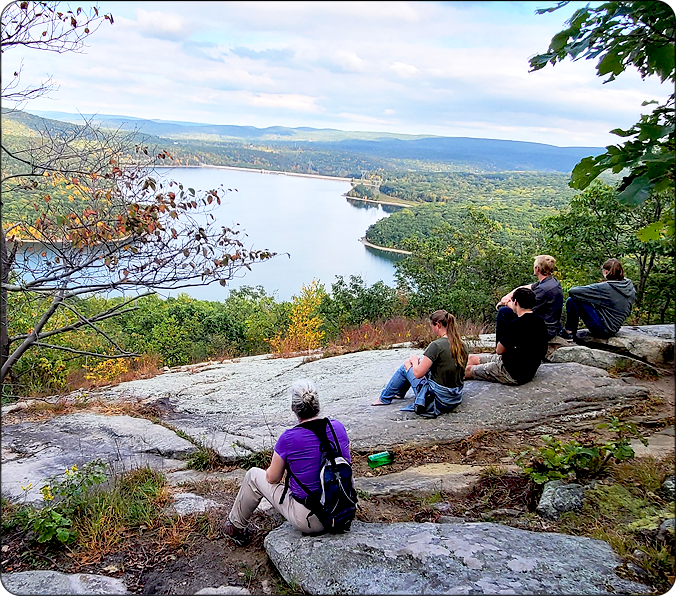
point(32, 452)
point(54, 582)
point(609, 361)
point(456, 479)
point(454, 558)
point(241, 407)
point(661, 444)
point(189, 503)
point(654, 344)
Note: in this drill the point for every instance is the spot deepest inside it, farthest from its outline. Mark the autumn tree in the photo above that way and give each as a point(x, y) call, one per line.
point(620, 35)
point(84, 213)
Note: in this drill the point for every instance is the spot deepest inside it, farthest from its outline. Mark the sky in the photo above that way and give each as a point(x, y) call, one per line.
point(434, 68)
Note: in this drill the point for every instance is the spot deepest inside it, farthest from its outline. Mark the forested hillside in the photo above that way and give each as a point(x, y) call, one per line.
point(473, 221)
point(381, 148)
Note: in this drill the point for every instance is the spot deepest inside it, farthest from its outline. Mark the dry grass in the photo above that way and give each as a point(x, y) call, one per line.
point(375, 336)
point(143, 367)
point(42, 409)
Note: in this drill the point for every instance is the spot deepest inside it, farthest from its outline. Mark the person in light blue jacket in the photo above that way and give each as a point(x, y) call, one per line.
point(603, 306)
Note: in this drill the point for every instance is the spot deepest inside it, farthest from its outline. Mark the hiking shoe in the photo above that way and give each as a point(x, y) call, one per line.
point(239, 537)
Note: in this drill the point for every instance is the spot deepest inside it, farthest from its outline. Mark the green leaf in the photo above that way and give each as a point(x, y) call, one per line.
point(653, 231)
point(584, 172)
point(610, 63)
point(559, 41)
point(637, 191)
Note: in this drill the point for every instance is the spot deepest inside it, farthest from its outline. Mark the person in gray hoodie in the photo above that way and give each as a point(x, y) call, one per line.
point(603, 306)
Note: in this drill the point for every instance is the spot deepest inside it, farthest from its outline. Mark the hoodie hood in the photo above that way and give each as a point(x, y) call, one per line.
point(624, 287)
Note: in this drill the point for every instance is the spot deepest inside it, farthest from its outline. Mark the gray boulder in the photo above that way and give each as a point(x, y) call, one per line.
point(559, 497)
point(668, 488)
point(54, 582)
point(654, 344)
point(609, 361)
point(33, 452)
point(187, 503)
point(666, 531)
point(453, 558)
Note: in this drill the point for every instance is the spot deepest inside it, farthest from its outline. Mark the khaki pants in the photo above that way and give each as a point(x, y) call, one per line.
point(491, 368)
point(254, 488)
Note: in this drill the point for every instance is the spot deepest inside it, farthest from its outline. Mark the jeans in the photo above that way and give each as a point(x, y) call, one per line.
point(430, 400)
point(578, 309)
point(504, 317)
point(399, 384)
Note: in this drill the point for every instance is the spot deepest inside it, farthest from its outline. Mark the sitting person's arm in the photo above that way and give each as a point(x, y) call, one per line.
point(500, 348)
point(275, 470)
point(420, 366)
point(508, 297)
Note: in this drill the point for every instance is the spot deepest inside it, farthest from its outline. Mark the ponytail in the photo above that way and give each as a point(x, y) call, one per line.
point(448, 321)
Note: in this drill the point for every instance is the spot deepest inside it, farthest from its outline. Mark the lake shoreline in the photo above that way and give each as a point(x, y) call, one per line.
point(398, 251)
point(262, 171)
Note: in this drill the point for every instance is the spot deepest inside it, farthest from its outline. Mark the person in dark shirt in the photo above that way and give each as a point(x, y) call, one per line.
point(549, 299)
point(520, 350)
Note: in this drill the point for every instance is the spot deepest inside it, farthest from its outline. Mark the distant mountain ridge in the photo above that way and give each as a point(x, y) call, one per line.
point(483, 154)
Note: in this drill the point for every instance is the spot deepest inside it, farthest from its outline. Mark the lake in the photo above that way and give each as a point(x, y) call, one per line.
point(308, 218)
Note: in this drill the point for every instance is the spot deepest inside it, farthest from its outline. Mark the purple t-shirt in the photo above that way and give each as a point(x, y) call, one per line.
point(300, 448)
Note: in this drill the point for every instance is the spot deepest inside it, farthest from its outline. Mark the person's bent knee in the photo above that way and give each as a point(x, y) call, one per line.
point(473, 359)
point(254, 476)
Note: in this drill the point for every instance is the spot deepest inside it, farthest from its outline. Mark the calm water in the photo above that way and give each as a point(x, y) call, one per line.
point(305, 217)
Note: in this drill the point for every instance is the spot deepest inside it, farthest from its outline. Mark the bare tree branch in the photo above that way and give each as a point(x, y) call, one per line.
point(85, 352)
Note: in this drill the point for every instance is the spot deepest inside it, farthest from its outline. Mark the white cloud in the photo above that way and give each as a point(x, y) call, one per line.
point(300, 103)
point(163, 25)
point(340, 65)
point(405, 71)
point(348, 61)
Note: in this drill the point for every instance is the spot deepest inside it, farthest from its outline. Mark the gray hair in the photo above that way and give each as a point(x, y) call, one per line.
point(305, 402)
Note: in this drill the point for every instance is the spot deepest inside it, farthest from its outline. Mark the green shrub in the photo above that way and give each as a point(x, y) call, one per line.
point(573, 460)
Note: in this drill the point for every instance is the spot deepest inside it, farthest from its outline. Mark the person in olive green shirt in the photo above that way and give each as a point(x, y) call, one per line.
point(437, 377)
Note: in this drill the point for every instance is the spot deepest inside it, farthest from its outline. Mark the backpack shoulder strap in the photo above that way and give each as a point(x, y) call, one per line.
point(319, 428)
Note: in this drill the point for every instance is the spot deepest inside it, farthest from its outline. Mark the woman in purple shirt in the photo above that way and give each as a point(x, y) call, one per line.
point(300, 448)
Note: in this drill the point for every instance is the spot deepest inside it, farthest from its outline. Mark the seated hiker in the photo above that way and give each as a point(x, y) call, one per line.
point(549, 299)
point(521, 349)
point(436, 377)
point(603, 306)
point(297, 450)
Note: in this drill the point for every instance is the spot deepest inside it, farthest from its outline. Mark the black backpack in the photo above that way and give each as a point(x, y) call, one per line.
point(335, 503)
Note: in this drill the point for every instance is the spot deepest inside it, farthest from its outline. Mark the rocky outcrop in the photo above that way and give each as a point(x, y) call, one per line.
point(240, 407)
point(54, 582)
point(608, 361)
point(453, 558)
point(33, 452)
point(455, 479)
point(654, 344)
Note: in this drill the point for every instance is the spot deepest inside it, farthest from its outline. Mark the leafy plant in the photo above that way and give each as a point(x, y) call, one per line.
point(573, 460)
point(62, 497)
